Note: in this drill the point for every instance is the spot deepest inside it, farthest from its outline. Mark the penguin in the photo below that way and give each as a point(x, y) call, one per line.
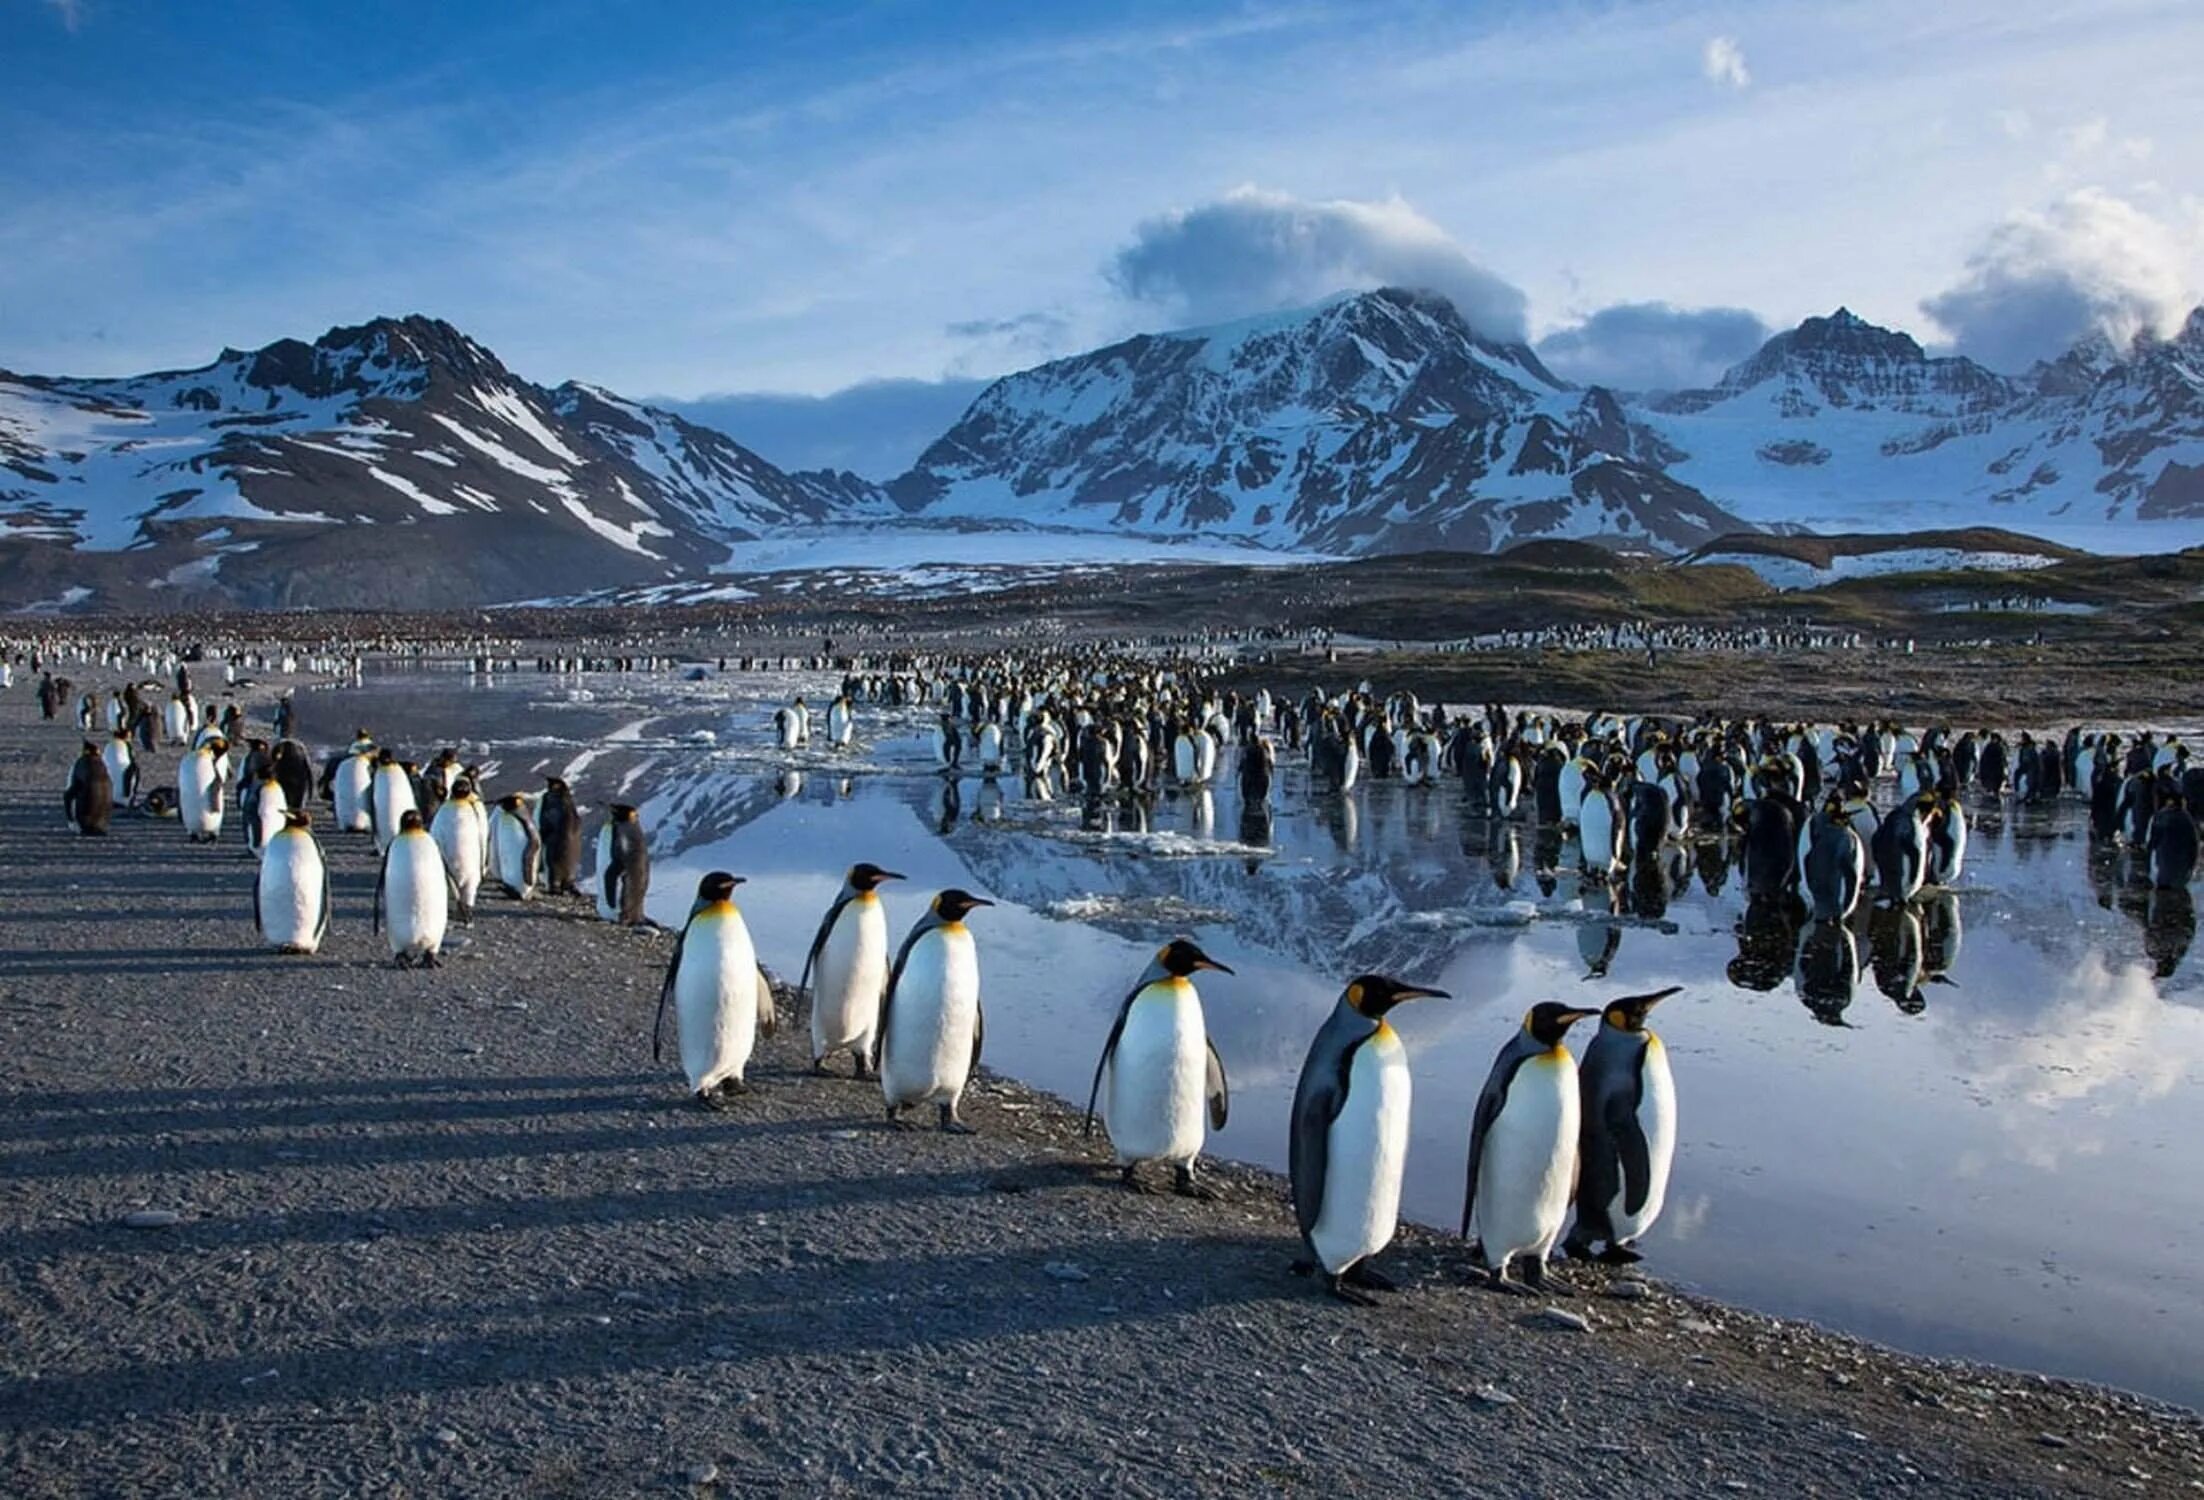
point(1349, 1137)
point(1832, 862)
point(841, 722)
point(1599, 829)
point(89, 800)
point(1947, 841)
point(390, 798)
point(788, 727)
point(849, 957)
point(623, 867)
point(1522, 1147)
point(262, 812)
point(458, 831)
point(293, 770)
point(931, 1024)
point(1626, 1131)
point(352, 788)
point(722, 1002)
point(1901, 848)
point(1162, 1070)
point(291, 893)
point(200, 791)
point(122, 767)
point(2169, 847)
point(413, 894)
point(559, 829)
point(515, 850)
point(948, 745)
point(989, 746)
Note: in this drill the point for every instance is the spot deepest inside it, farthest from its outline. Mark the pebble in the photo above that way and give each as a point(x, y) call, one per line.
point(1695, 1325)
point(1630, 1291)
point(2052, 1440)
point(152, 1218)
point(1559, 1317)
point(703, 1473)
point(1064, 1270)
point(1492, 1395)
point(447, 1436)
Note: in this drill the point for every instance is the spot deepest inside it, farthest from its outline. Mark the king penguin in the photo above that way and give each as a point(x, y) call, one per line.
point(1161, 1070)
point(623, 867)
point(515, 849)
point(1349, 1138)
point(291, 894)
point(1522, 1147)
point(390, 798)
point(413, 894)
point(458, 831)
point(721, 1000)
point(199, 793)
point(1626, 1131)
point(849, 957)
point(89, 800)
point(931, 1025)
point(559, 827)
point(352, 787)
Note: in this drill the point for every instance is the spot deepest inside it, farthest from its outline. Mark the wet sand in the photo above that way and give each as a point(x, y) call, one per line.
point(452, 1233)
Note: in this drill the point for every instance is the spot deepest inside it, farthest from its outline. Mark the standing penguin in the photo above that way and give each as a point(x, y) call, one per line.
point(1161, 1069)
point(515, 849)
point(1901, 848)
point(1522, 1147)
point(720, 998)
point(1349, 1137)
point(390, 798)
point(849, 956)
point(291, 893)
point(2169, 848)
point(623, 867)
point(89, 800)
point(931, 1025)
point(841, 722)
point(352, 787)
point(1626, 1131)
point(122, 767)
point(1947, 841)
point(559, 827)
point(413, 894)
point(458, 832)
point(1832, 862)
point(262, 808)
point(200, 790)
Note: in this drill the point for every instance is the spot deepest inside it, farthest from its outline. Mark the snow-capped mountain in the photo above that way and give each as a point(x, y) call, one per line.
point(1374, 422)
point(1382, 422)
point(269, 476)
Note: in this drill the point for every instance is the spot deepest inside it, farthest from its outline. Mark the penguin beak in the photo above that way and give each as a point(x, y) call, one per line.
point(976, 901)
point(890, 875)
point(1419, 992)
point(1646, 1001)
point(1206, 962)
point(1571, 1017)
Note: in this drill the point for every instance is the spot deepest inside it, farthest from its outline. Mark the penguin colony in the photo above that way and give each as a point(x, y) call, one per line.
point(1553, 1145)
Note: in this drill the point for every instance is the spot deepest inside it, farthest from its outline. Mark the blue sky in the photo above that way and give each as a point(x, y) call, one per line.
point(689, 198)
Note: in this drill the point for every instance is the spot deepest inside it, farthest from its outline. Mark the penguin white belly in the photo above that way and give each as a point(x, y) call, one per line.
point(787, 726)
point(291, 883)
point(1529, 1164)
point(269, 814)
point(991, 747)
point(175, 720)
point(841, 724)
point(1657, 1118)
point(1154, 1102)
point(852, 971)
point(1596, 832)
point(460, 842)
point(117, 759)
point(510, 837)
point(352, 789)
point(1183, 763)
point(393, 799)
point(928, 1053)
point(1364, 1155)
point(198, 796)
point(605, 909)
point(416, 901)
point(715, 998)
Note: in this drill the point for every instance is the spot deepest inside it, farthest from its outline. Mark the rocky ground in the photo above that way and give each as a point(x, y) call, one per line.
point(317, 1226)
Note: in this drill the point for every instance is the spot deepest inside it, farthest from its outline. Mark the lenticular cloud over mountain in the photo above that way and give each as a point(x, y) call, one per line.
point(1257, 251)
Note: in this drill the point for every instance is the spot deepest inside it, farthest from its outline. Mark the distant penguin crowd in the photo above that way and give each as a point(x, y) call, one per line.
point(1562, 1154)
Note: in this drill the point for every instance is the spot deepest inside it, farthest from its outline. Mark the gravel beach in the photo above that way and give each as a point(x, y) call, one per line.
point(284, 1226)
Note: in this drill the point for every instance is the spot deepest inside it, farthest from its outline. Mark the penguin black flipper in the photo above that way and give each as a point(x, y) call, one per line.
point(321, 925)
point(258, 926)
point(1109, 1050)
point(1312, 1137)
point(979, 1034)
point(665, 990)
point(382, 873)
point(611, 880)
point(819, 941)
point(1215, 1089)
point(1489, 1104)
point(1630, 1142)
point(887, 995)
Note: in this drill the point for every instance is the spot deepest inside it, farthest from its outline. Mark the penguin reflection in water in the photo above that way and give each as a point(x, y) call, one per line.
point(931, 1027)
point(1522, 1148)
point(1349, 1139)
point(1160, 1070)
point(722, 1002)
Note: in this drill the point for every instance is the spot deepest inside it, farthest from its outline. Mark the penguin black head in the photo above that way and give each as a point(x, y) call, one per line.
point(409, 821)
point(622, 813)
point(385, 758)
point(1549, 1021)
point(89, 749)
point(868, 877)
point(717, 886)
point(1629, 1013)
point(1374, 994)
point(554, 783)
point(1180, 957)
point(462, 788)
point(951, 905)
point(512, 802)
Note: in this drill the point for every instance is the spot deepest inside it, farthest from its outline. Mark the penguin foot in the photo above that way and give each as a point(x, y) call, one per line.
point(951, 1125)
point(1128, 1177)
point(1184, 1184)
point(819, 1068)
point(1303, 1268)
point(431, 961)
point(1369, 1278)
point(1352, 1296)
point(710, 1099)
point(1496, 1279)
point(1621, 1255)
point(1577, 1249)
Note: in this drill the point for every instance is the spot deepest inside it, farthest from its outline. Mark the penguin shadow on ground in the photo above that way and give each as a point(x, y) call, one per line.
point(741, 1325)
point(80, 962)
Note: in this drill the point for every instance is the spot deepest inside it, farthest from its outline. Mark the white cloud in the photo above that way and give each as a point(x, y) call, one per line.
point(1724, 63)
point(70, 11)
point(1640, 346)
point(1255, 251)
point(2041, 281)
